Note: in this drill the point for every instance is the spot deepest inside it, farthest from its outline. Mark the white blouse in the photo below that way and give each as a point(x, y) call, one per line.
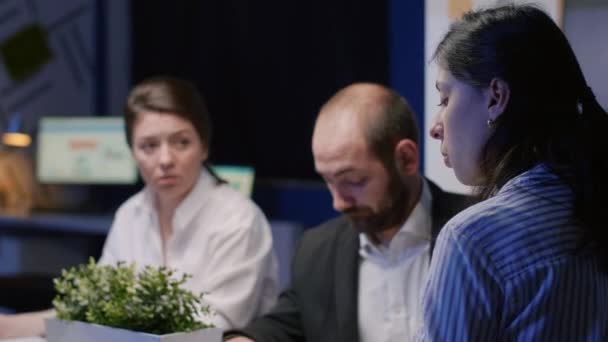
point(219, 237)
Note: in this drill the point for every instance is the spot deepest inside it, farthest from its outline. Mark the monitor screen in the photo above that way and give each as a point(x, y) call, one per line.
point(84, 150)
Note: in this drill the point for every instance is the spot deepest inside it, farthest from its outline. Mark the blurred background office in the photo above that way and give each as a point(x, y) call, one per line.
point(265, 68)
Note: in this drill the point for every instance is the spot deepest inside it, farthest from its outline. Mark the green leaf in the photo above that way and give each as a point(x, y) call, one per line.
point(152, 300)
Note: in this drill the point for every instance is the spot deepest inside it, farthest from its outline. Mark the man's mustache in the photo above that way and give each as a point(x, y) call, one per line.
point(357, 211)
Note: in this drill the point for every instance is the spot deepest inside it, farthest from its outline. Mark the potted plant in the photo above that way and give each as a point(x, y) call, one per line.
point(107, 303)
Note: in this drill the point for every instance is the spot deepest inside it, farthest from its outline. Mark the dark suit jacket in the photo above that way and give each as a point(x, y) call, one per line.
point(321, 302)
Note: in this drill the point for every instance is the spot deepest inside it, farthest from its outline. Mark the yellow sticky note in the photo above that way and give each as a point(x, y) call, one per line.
point(456, 8)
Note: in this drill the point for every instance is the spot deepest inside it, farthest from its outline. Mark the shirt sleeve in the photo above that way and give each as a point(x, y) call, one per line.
point(284, 322)
point(462, 300)
point(112, 247)
point(243, 281)
point(281, 324)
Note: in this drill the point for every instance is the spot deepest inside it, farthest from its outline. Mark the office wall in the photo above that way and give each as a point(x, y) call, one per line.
point(265, 67)
point(68, 20)
point(586, 26)
point(46, 59)
point(406, 51)
point(117, 53)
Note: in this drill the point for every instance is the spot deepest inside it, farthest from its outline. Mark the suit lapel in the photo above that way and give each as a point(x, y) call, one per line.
point(444, 207)
point(441, 212)
point(346, 284)
point(436, 220)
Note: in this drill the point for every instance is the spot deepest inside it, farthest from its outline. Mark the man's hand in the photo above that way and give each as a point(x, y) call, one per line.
point(239, 339)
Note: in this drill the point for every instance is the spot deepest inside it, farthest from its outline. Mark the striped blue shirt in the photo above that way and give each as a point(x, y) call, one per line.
point(514, 268)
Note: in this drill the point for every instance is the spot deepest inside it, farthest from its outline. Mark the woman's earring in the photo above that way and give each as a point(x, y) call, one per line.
point(490, 123)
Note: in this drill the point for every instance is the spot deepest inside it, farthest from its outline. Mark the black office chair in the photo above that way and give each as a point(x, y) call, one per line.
point(26, 292)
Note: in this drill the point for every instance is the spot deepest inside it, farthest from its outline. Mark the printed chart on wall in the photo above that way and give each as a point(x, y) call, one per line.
point(46, 59)
point(438, 16)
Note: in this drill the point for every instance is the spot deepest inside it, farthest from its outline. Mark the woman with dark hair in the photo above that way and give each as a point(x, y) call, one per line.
point(185, 218)
point(518, 121)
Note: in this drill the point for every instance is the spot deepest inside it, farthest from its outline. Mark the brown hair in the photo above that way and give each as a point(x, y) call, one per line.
point(552, 116)
point(173, 96)
point(164, 94)
point(388, 116)
point(396, 122)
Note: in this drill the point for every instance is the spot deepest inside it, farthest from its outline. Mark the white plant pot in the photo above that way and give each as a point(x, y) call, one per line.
point(74, 331)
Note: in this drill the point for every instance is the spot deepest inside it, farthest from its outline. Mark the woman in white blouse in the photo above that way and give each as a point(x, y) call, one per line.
point(185, 218)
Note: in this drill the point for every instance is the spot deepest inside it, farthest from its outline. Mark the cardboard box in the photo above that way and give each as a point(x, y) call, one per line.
point(74, 331)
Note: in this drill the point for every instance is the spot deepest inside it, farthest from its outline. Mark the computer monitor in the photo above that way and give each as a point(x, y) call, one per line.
point(239, 177)
point(83, 150)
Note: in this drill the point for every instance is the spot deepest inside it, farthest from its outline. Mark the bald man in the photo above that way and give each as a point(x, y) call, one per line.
point(360, 277)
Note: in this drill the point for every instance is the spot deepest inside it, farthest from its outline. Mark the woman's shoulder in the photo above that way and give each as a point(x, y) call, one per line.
point(517, 206)
point(132, 204)
point(487, 224)
point(231, 208)
point(225, 197)
point(514, 231)
point(478, 216)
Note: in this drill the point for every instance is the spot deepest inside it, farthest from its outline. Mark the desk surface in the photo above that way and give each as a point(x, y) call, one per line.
point(56, 223)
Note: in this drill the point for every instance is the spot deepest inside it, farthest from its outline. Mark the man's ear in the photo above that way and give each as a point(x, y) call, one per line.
point(406, 157)
point(499, 94)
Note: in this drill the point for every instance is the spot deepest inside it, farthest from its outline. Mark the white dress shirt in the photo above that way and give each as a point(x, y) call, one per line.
point(219, 236)
point(392, 278)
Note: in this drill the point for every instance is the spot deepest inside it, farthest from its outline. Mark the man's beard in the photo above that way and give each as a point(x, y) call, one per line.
point(391, 211)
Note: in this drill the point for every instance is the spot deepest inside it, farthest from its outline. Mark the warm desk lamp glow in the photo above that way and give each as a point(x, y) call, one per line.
point(17, 183)
point(13, 136)
point(16, 139)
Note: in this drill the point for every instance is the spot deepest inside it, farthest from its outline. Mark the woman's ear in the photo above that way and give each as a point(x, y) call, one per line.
point(204, 152)
point(406, 157)
point(499, 94)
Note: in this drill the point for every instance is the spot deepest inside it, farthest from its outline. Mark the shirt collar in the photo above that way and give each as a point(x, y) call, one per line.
point(198, 196)
point(539, 174)
point(416, 228)
point(189, 206)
